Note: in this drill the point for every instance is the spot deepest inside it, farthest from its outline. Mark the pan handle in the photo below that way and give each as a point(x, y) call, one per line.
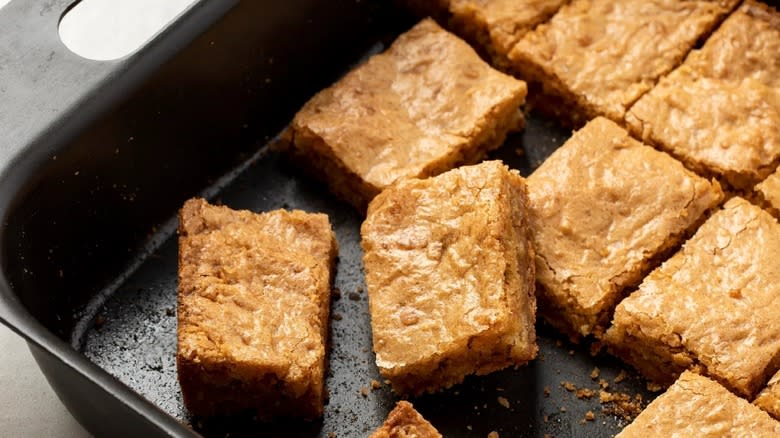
point(39, 77)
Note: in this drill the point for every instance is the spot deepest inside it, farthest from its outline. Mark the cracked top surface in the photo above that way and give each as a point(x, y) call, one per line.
point(254, 288)
point(601, 205)
point(436, 263)
point(505, 21)
point(746, 45)
point(720, 110)
point(718, 298)
point(428, 97)
point(405, 422)
point(611, 52)
point(695, 406)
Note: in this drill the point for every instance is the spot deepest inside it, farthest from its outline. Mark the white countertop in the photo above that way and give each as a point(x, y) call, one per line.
point(28, 405)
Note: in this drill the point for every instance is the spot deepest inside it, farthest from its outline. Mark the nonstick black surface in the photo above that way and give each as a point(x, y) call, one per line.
point(132, 332)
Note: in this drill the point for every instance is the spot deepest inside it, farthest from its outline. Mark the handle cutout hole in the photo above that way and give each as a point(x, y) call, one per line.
point(105, 30)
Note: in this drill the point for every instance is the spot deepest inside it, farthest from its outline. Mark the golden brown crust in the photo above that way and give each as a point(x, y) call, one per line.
point(426, 105)
point(449, 271)
point(405, 422)
point(497, 25)
point(713, 306)
point(769, 398)
point(597, 57)
point(603, 206)
point(719, 111)
point(696, 406)
point(253, 304)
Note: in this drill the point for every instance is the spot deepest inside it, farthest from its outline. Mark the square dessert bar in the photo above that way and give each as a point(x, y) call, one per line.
point(405, 422)
point(769, 398)
point(712, 307)
point(695, 406)
point(253, 305)
point(450, 277)
point(426, 105)
point(604, 209)
point(719, 112)
point(597, 57)
point(767, 193)
point(494, 26)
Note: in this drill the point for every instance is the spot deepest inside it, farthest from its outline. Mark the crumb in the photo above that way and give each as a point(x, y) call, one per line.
point(547, 435)
point(519, 152)
point(336, 293)
point(354, 296)
point(503, 402)
point(569, 386)
point(331, 435)
point(585, 393)
point(571, 352)
point(364, 391)
point(621, 376)
point(654, 387)
point(563, 409)
point(735, 293)
point(621, 404)
point(468, 427)
point(558, 343)
point(337, 316)
point(590, 416)
point(493, 434)
point(546, 418)
point(499, 389)
point(375, 384)
point(595, 373)
point(595, 348)
point(603, 384)
point(387, 382)
point(546, 391)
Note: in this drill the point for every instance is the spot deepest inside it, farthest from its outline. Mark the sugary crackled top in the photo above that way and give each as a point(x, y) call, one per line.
point(721, 108)
point(719, 297)
point(611, 52)
point(435, 262)
point(254, 288)
point(601, 205)
point(506, 21)
point(405, 422)
point(695, 406)
point(425, 98)
point(769, 398)
point(746, 45)
point(770, 189)
point(725, 126)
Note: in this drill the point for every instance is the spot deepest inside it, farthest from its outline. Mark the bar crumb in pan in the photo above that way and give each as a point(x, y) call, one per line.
point(604, 208)
point(450, 277)
point(720, 111)
point(405, 422)
point(254, 294)
point(597, 57)
point(426, 105)
point(769, 398)
point(712, 307)
point(695, 406)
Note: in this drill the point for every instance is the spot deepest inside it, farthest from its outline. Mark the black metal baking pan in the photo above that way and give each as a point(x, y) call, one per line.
point(96, 158)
